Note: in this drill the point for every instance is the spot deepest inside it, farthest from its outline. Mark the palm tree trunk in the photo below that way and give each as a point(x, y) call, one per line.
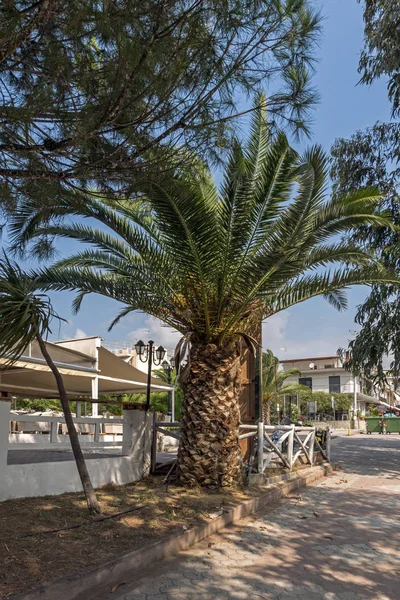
point(90, 494)
point(267, 410)
point(209, 452)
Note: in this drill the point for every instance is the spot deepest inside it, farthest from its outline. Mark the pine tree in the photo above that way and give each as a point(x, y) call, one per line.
point(371, 158)
point(94, 92)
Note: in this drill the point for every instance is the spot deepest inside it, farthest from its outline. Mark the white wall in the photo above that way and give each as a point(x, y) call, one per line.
point(320, 380)
point(52, 478)
point(19, 441)
point(144, 366)
point(88, 346)
point(49, 479)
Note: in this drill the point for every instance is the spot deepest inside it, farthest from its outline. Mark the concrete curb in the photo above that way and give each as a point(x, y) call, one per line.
point(83, 585)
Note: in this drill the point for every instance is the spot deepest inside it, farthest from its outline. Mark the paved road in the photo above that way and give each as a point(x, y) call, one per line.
point(339, 540)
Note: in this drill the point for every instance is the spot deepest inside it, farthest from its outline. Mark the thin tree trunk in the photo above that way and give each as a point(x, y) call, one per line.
point(91, 499)
point(209, 452)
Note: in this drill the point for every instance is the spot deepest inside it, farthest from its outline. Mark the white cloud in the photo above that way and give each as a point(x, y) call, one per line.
point(282, 333)
point(274, 332)
point(79, 333)
point(154, 329)
point(287, 340)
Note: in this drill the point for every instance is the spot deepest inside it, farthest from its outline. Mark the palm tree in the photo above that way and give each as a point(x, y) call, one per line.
point(273, 383)
point(25, 316)
point(161, 374)
point(213, 264)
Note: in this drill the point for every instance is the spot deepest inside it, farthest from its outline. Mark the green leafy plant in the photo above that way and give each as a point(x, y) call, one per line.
point(324, 401)
point(370, 157)
point(274, 384)
point(295, 410)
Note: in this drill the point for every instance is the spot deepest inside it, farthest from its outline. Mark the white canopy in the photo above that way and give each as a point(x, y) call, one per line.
point(81, 363)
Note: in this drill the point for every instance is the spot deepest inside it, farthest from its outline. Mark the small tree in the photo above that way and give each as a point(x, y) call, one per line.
point(324, 401)
point(274, 383)
point(24, 317)
point(161, 374)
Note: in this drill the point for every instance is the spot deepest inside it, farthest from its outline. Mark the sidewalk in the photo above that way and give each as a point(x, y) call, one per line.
point(339, 540)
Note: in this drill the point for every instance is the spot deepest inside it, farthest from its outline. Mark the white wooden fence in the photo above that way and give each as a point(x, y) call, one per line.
point(284, 444)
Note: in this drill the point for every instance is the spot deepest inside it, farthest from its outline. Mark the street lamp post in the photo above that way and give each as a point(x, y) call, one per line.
point(147, 352)
point(168, 369)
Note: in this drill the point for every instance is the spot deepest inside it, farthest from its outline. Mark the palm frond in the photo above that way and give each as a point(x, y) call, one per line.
point(330, 285)
point(24, 311)
point(214, 263)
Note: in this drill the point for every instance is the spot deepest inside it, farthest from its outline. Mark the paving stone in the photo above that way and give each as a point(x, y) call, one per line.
point(338, 540)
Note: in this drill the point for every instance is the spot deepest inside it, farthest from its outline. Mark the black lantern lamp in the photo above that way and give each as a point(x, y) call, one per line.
point(140, 348)
point(147, 352)
point(160, 353)
point(168, 368)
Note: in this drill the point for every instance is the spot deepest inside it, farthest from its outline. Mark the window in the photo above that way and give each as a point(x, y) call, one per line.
point(306, 381)
point(334, 384)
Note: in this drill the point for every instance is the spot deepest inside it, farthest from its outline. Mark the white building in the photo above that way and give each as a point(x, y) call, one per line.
point(126, 351)
point(328, 374)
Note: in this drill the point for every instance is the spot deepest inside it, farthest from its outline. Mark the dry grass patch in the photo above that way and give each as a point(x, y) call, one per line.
point(26, 562)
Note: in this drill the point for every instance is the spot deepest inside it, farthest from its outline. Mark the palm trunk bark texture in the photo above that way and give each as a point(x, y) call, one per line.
point(209, 453)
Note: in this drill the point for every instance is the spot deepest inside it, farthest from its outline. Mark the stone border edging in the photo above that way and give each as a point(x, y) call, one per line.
point(83, 585)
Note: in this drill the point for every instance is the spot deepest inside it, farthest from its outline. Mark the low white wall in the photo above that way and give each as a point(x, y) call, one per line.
point(52, 478)
point(358, 424)
point(48, 479)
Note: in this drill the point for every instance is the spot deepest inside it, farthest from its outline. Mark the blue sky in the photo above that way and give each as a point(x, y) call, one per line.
point(313, 328)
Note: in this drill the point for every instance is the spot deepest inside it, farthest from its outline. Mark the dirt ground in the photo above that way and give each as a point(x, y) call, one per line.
point(29, 560)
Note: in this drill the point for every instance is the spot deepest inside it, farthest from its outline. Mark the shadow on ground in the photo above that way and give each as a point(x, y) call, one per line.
point(338, 540)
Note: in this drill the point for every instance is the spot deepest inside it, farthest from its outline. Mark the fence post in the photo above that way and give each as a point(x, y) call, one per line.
point(172, 392)
point(260, 447)
point(97, 432)
point(153, 453)
point(53, 432)
point(290, 450)
point(328, 444)
point(311, 447)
